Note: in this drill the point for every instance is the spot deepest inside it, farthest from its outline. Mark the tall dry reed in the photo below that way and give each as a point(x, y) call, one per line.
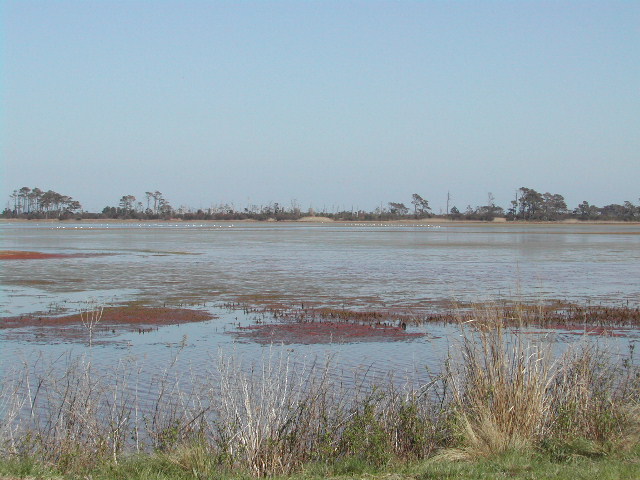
point(499, 386)
point(510, 391)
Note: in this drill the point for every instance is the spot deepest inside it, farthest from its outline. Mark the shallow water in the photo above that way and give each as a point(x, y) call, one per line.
point(365, 266)
point(359, 265)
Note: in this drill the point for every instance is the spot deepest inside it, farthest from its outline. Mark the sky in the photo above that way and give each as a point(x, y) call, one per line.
point(329, 104)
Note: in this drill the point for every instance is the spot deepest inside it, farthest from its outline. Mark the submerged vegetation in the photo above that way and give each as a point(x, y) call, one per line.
point(528, 205)
point(501, 398)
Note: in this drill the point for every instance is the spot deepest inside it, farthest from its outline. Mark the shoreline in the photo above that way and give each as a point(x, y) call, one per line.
point(322, 220)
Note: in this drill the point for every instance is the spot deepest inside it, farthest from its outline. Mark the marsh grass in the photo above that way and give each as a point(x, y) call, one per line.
point(500, 392)
point(264, 413)
point(511, 392)
point(500, 384)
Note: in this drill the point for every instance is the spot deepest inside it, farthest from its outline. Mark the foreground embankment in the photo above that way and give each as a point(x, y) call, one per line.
point(193, 464)
point(499, 395)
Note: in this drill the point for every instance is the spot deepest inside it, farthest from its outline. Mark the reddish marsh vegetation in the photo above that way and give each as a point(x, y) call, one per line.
point(595, 319)
point(22, 255)
point(308, 324)
point(322, 332)
point(132, 315)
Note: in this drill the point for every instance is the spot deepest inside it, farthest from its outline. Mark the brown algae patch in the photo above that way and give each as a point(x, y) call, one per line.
point(322, 332)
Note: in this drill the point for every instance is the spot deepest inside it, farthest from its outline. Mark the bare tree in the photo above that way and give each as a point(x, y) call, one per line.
point(91, 316)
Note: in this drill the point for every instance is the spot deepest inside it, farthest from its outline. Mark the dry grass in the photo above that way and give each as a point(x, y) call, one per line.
point(259, 412)
point(499, 386)
point(511, 392)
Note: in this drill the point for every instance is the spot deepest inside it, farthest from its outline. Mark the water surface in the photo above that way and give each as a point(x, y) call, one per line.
point(355, 265)
point(364, 266)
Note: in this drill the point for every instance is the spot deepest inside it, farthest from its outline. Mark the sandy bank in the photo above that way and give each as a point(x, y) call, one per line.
point(315, 219)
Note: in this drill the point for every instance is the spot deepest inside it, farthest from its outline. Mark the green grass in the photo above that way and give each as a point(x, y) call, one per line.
point(537, 466)
point(512, 465)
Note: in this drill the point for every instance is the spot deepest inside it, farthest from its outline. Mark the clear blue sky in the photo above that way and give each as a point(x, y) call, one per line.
point(333, 104)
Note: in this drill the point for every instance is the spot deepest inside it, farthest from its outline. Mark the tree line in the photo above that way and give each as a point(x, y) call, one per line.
point(37, 203)
point(528, 205)
point(157, 207)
